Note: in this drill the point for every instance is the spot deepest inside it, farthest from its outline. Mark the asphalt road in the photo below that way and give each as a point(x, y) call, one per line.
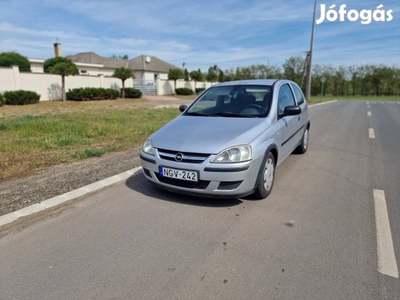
point(322, 234)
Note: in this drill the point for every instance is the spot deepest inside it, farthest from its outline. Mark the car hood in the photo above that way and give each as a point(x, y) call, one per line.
point(207, 134)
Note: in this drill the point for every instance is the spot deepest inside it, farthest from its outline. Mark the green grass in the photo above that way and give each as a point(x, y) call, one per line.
point(33, 142)
point(318, 99)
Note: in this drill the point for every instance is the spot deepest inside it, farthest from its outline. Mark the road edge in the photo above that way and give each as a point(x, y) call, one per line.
point(72, 195)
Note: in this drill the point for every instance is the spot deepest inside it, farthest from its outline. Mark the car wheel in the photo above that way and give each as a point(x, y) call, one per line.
point(266, 176)
point(302, 148)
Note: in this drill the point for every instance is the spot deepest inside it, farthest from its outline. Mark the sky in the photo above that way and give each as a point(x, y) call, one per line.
point(204, 33)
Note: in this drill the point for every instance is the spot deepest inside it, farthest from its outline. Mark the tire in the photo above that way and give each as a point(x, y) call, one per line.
point(265, 179)
point(302, 148)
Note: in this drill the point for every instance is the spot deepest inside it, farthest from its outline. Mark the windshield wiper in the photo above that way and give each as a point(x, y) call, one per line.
point(231, 115)
point(196, 114)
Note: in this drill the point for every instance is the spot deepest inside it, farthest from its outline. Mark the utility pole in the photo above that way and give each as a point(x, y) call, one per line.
point(309, 57)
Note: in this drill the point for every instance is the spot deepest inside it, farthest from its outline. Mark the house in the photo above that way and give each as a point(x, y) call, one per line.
point(146, 69)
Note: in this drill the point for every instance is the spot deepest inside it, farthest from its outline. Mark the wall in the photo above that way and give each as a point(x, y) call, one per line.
point(166, 87)
point(49, 86)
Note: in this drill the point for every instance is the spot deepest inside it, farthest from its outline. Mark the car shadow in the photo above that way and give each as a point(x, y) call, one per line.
point(140, 184)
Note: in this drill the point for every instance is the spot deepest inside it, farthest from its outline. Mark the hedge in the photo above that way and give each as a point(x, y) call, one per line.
point(200, 90)
point(132, 93)
point(90, 94)
point(20, 97)
point(184, 91)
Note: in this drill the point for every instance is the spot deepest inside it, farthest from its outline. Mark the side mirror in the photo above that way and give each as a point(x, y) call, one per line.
point(291, 110)
point(183, 107)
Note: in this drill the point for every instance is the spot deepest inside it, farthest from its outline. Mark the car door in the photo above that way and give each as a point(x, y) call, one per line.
point(301, 101)
point(289, 126)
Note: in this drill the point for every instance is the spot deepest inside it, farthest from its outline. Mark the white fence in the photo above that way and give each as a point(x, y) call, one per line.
point(48, 86)
point(166, 87)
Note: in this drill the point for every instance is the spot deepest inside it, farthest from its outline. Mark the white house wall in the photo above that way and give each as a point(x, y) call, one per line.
point(49, 86)
point(166, 87)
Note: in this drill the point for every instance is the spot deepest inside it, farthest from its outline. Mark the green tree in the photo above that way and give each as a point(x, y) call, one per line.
point(175, 74)
point(186, 75)
point(123, 74)
point(61, 66)
point(221, 76)
point(212, 74)
point(8, 59)
point(293, 69)
point(196, 76)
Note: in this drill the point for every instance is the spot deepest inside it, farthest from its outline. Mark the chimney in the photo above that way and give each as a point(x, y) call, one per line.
point(57, 49)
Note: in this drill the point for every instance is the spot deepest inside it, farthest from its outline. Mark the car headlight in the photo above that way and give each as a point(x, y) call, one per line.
point(234, 154)
point(148, 147)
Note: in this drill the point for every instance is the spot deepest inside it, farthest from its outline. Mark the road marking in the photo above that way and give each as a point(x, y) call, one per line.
point(371, 133)
point(369, 114)
point(387, 264)
point(322, 103)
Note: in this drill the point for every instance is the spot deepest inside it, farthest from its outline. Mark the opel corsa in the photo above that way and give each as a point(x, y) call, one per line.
point(230, 140)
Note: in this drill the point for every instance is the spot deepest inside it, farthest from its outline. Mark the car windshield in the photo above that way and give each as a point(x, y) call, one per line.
point(244, 101)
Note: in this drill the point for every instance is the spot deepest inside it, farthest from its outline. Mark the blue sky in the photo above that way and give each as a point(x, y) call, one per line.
point(200, 33)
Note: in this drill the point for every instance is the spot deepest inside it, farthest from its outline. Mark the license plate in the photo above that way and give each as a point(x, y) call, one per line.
point(178, 174)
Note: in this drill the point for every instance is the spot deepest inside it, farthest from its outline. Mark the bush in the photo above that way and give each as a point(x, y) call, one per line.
point(90, 94)
point(200, 90)
point(184, 91)
point(1, 100)
point(132, 93)
point(21, 97)
point(8, 59)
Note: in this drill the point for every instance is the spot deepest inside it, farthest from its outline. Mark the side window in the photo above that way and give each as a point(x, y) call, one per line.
point(285, 98)
point(298, 93)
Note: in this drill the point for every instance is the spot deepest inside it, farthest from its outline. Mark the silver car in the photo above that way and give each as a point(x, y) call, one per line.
point(229, 141)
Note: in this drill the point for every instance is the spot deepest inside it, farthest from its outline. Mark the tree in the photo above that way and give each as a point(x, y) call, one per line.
point(186, 75)
point(61, 66)
point(221, 76)
point(124, 57)
point(196, 76)
point(8, 59)
point(175, 74)
point(293, 69)
point(212, 74)
point(123, 74)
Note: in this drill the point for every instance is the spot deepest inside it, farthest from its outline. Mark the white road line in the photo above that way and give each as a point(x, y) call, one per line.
point(371, 133)
point(369, 114)
point(387, 264)
point(322, 103)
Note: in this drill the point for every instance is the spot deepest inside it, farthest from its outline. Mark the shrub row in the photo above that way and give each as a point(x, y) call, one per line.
point(132, 93)
point(19, 97)
point(88, 94)
point(184, 91)
point(199, 90)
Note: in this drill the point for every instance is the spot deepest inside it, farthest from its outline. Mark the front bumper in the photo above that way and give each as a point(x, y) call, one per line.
point(214, 180)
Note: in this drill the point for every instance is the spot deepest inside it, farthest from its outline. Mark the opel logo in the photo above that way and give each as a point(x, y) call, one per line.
point(179, 157)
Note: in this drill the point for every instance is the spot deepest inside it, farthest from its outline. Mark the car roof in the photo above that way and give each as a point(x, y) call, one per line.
point(268, 82)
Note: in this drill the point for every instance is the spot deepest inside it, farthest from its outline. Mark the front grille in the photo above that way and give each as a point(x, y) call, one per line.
point(229, 185)
point(187, 157)
point(200, 185)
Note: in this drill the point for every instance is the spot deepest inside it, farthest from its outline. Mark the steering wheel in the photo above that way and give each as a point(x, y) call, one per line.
point(257, 107)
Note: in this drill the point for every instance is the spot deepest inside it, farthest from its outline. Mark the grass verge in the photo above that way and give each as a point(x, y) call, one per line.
point(37, 136)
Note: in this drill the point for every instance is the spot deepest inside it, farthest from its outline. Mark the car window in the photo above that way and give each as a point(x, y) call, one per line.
point(285, 98)
point(298, 93)
point(233, 101)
